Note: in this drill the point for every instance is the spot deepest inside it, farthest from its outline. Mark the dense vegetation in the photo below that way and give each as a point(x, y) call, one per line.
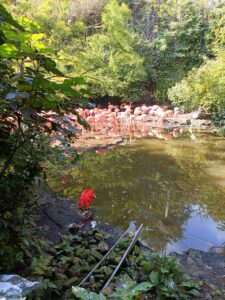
point(28, 124)
point(132, 51)
point(53, 53)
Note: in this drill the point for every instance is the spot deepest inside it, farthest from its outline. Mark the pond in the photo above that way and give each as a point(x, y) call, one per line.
point(175, 187)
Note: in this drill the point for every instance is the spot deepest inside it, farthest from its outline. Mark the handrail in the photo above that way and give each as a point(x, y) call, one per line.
point(131, 245)
point(104, 257)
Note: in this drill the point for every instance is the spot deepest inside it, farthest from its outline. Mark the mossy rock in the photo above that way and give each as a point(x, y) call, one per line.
point(78, 238)
point(96, 254)
point(136, 250)
point(74, 270)
point(99, 236)
point(131, 259)
point(85, 267)
point(84, 234)
point(107, 271)
point(100, 276)
point(84, 243)
point(92, 241)
point(79, 251)
point(92, 279)
point(90, 232)
point(85, 254)
point(103, 247)
point(72, 281)
point(91, 259)
point(76, 260)
point(61, 277)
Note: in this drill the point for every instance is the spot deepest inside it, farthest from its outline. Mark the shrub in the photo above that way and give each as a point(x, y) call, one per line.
point(203, 87)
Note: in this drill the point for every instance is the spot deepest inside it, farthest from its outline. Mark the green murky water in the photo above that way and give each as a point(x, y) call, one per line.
point(176, 188)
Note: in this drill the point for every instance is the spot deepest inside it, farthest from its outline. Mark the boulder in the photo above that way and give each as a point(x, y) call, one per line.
point(16, 287)
point(203, 266)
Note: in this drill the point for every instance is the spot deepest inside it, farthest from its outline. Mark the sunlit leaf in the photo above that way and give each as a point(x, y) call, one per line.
point(37, 36)
point(8, 50)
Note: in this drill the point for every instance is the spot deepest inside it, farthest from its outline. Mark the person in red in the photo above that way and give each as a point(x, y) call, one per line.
point(86, 198)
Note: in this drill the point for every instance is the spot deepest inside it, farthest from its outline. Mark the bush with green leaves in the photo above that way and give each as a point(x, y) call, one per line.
point(35, 96)
point(218, 119)
point(203, 87)
point(111, 64)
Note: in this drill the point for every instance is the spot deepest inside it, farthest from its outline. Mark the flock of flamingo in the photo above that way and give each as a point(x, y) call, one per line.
point(123, 121)
point(128, 121)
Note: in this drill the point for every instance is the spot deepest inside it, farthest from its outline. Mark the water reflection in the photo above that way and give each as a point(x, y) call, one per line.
point(166, 185)
point(200, 232)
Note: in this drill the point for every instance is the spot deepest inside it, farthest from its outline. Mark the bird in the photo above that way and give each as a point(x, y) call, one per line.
point(192, 136)
point(86, 198)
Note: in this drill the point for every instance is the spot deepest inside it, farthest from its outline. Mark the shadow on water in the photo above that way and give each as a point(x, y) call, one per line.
point(166, 185)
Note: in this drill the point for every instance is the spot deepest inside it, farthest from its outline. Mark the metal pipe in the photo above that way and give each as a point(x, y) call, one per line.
point(104, 257)
point(134, 240)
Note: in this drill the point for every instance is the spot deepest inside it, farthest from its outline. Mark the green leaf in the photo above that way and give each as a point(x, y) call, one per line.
point(142, 287)
point(42, 48)
point(16, 36)
point(8, 50)
point(154, 277)
point(76, 80)
point(83, 122)
point(187, 284)
point(37, 36)
point(94, 296)
point(83, 294)
point(194, 293)
point(146, 266)
point(50, 66)
point(80, 293)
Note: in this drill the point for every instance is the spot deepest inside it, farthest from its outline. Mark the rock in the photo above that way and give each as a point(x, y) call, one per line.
point(107, 236)
point(90, 232)
point(85, 233)
point(61, 277)
point(93, 247)
point(76, 260)
point(201, 123)
point(16, 287)
point(80, 250)
point(100, 276)
point(99, 236)
point(78, 238)
point(103, 247)
point(91, 260)
point(96, 254)
point(52, 251)
point(136, 250)
point(107, 271)
point(203, 266)
point(112, 258)
point(217, 250)
point(71, 281)
point(92, 241)
point(85, 254)
point(92, 279)
point(74, 270)
point(84, 244)
point(131, 258)
point(85, 266)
